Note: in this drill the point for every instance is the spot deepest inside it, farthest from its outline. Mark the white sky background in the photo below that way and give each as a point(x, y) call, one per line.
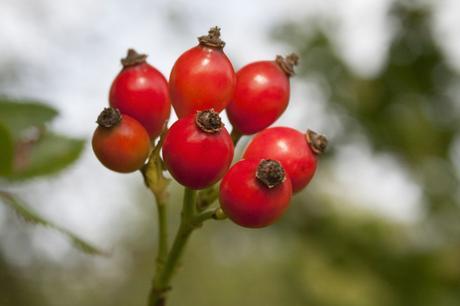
point(69, 53)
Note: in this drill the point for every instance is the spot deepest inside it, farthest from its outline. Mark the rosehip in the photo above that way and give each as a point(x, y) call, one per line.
point(141, 91)
point(261, 94)
point(198, 150)
point(120, 142)
point(297, 152)
point(202, 77)
point(255, 193)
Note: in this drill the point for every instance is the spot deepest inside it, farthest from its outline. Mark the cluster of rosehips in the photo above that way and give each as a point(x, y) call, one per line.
point(197, 149)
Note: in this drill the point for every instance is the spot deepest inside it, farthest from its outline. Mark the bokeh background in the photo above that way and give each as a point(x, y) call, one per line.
point(379, 225)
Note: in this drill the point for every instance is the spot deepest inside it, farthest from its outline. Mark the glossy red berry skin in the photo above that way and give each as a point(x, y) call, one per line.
point(202, 78)
point(196, 159)
point(123, 147)
point(290, 148)
point(261, 96)
point(247, 201)
point(141, 91)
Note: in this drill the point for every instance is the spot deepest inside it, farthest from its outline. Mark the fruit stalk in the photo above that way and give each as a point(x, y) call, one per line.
point(236, 136)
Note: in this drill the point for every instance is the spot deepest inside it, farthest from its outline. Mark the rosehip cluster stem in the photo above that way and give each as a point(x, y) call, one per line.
point(191, 219)
point(235, 136)
point(163, 277)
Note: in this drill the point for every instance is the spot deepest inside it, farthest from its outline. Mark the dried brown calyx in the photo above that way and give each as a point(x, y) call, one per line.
point(287, 63)
point(133, 58)
point(270, 173)
point(212, 39)
point(109, 117)
point(209, 121)
point(317, 142)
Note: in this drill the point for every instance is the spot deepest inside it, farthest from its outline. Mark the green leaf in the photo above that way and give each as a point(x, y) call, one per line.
point(6, 151)
point(32, 217)
point(51, 153)
point(18, 116)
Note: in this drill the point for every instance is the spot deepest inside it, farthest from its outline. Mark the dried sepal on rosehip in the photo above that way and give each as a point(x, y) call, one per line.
point(255, 193)
point(198, 150)
point(120, 142)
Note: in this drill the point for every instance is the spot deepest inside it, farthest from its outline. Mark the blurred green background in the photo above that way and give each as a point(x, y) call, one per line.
point(329, 249)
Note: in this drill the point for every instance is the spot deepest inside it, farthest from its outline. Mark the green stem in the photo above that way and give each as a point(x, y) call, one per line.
point(199, 219)
point(206, 197)
point(187, 225)
point(162, 234)
point(235, 136)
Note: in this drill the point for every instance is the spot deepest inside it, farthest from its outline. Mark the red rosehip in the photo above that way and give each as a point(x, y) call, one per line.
point(297, 152)
point(202, 77)
point(141, 91)
point(261, 94)
point(120, 142)
point(198, 150)
point(255, 193)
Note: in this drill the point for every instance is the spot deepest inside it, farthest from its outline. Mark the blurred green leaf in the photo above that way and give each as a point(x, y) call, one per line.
point(32, 217)
point(405, 109)
point(20, 115)
point(6, 151)
point(47, 155)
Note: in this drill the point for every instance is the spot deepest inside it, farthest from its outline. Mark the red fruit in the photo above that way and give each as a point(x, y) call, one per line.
point(297, 152)
point(141, 91)
point(120, 142)
point(198, 150)
point(202, 77)
point(255, 193)
point(261, 94)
